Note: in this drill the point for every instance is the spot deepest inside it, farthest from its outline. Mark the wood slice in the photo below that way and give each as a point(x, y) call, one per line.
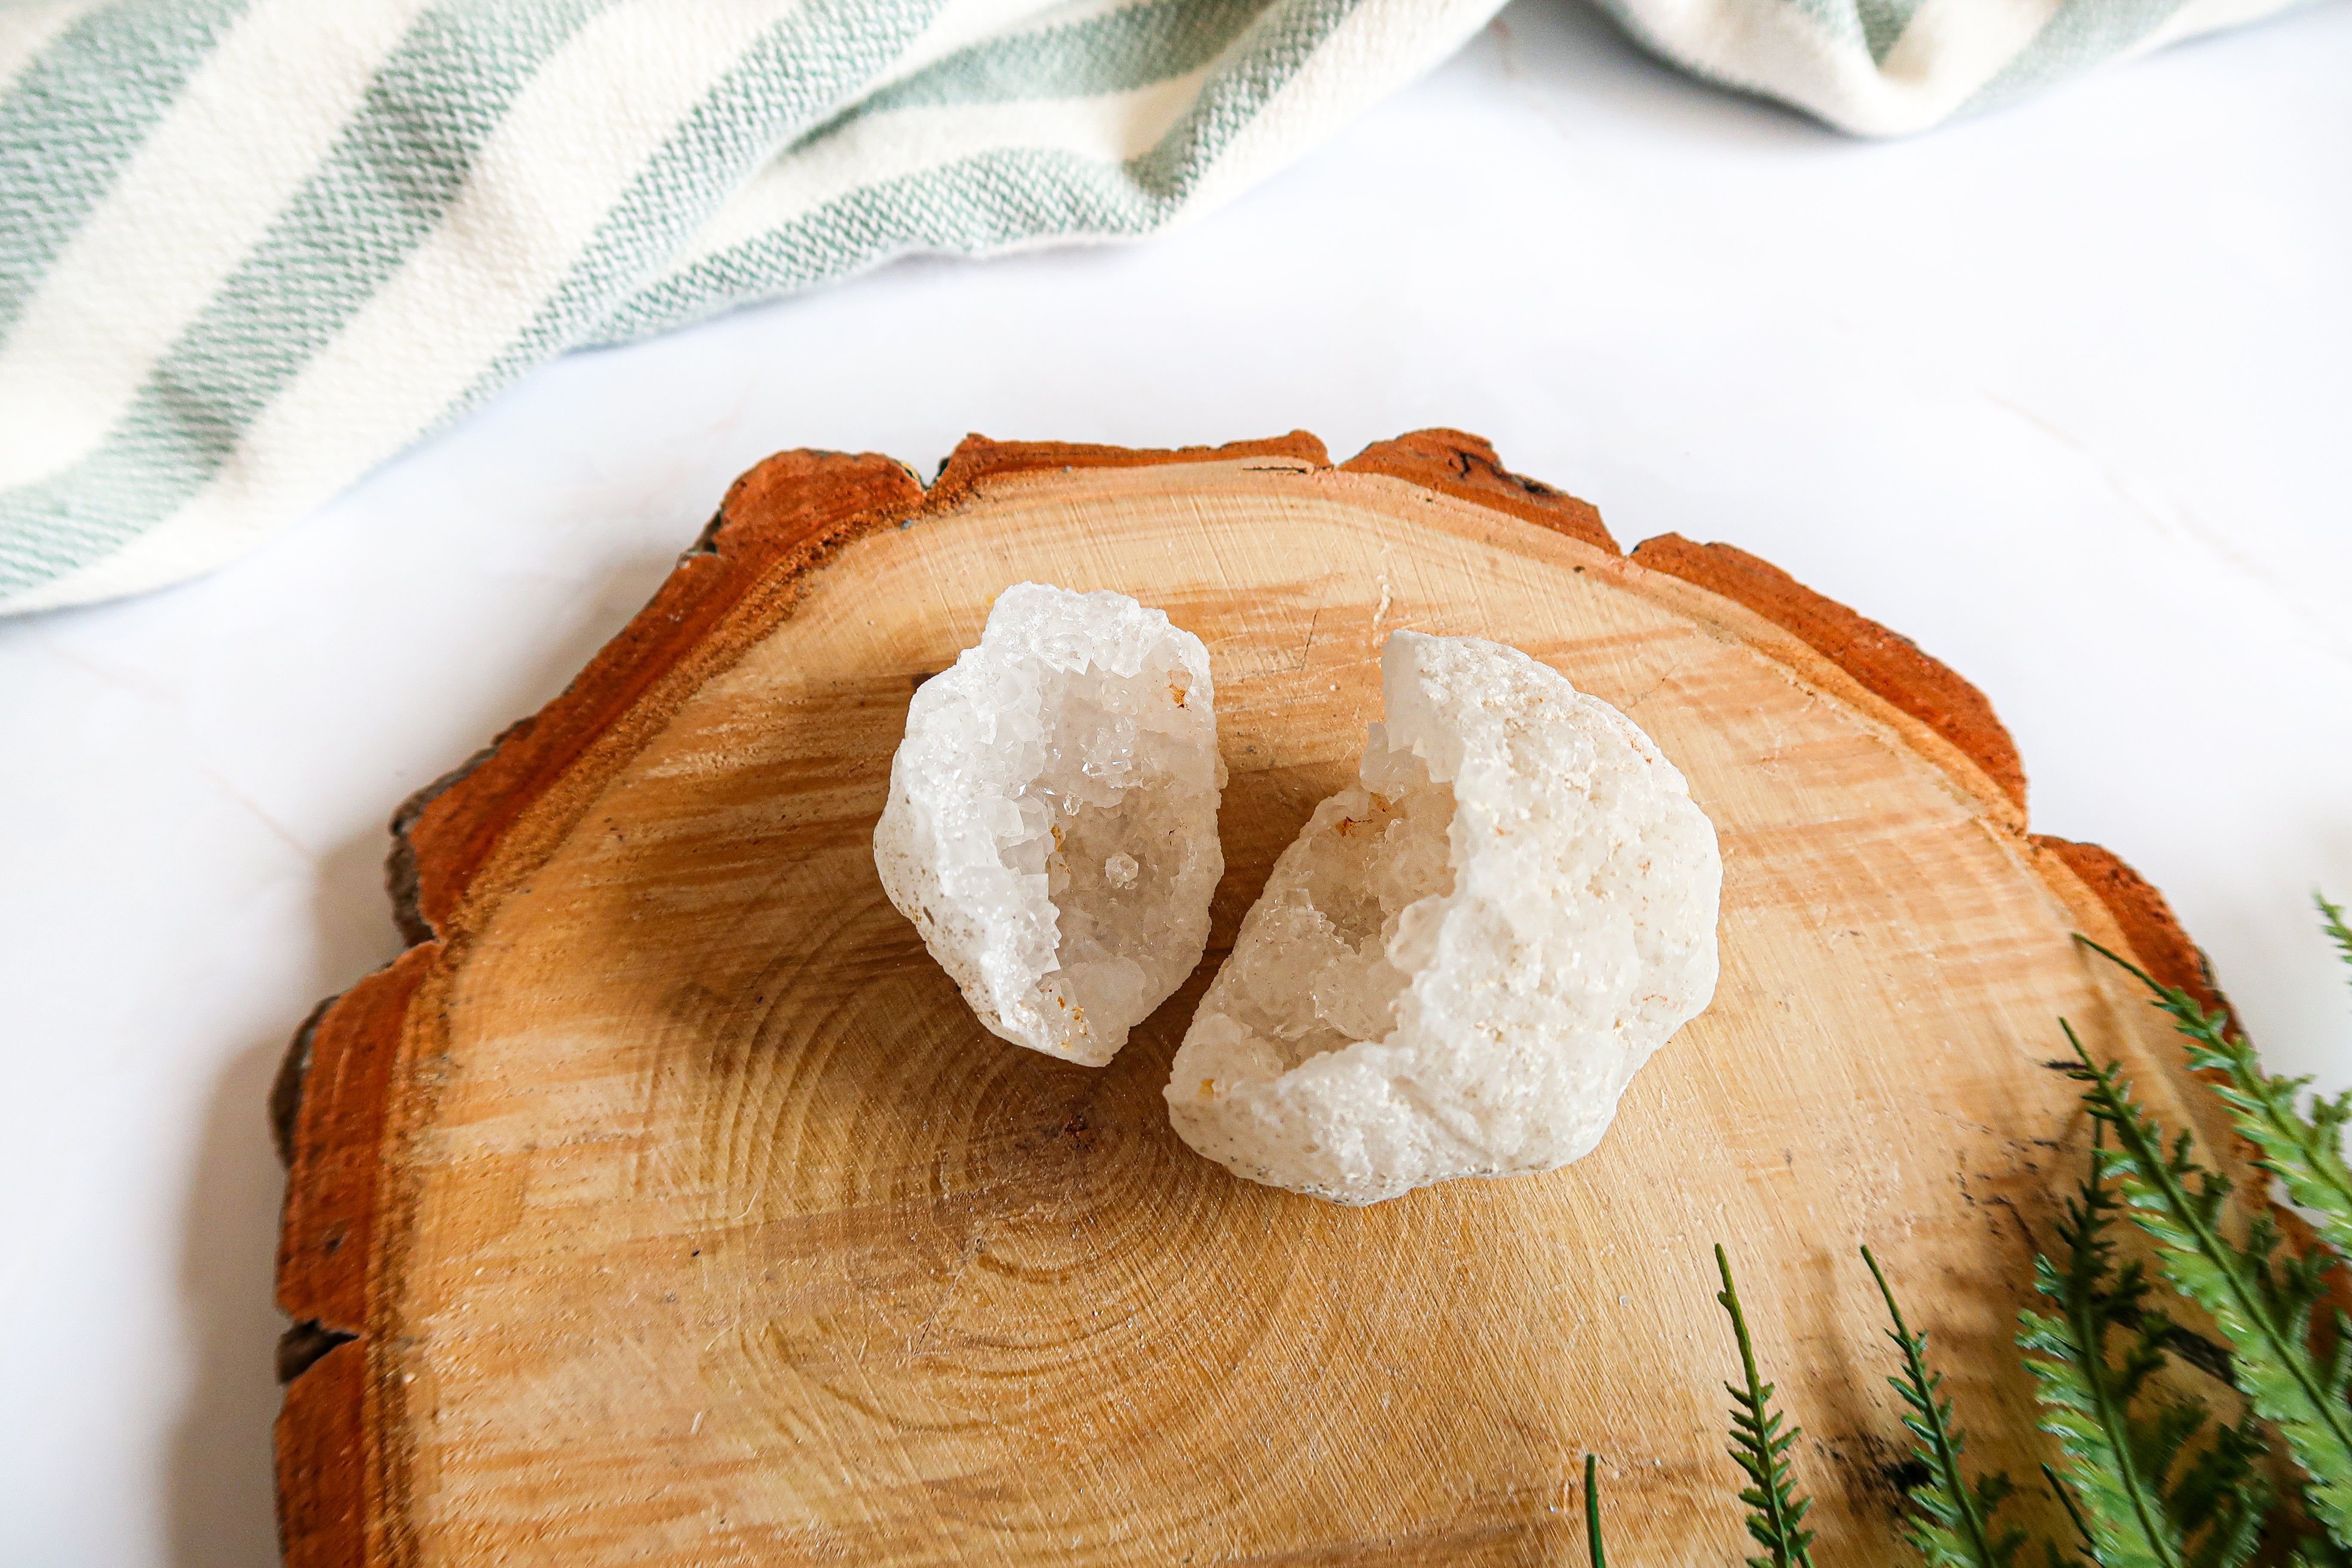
point(664, 1205)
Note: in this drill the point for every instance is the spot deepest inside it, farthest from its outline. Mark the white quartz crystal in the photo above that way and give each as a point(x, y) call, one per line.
point(1052, 826)
point(1462, 960)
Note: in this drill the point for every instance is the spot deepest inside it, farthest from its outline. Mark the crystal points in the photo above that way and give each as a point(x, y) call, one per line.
point(1052, 822)
point(1459, 963)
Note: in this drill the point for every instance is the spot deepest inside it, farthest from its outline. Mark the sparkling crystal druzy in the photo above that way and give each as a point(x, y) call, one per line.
point(1052, 826)
point(1462, 960)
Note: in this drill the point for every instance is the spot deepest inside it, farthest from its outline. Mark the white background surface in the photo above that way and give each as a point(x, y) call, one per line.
point(2063, 393)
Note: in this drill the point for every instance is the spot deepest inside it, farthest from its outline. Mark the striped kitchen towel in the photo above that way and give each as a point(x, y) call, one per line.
point(251, 248)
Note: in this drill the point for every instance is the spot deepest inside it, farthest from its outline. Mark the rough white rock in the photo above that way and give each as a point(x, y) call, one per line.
point(1459, 963)
point(1052, 826)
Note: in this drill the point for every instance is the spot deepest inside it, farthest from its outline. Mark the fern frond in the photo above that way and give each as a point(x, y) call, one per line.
point(2158, 1442)
point(2305, 1153)
point(2331, 920)
point(1953, 1524)
point(2263, 1309)
point(2073, 1511)
point(2318, 1551)
point(2224, 1499)
point(2122, 1520)
point(1776, 1509)
point(2085, 1403)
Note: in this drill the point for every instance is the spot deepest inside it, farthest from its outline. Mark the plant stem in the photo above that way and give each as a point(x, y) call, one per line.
point(1780, 1528)
point(2067, 1501)
point(1944, 1451)
point(2083, 1319)
point(1592, 1515)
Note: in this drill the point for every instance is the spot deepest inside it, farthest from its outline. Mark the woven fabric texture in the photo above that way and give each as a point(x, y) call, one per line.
point(249, 250)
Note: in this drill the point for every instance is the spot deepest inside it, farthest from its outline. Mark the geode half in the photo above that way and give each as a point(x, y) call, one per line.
point(1462, 960)
point(1051, 825)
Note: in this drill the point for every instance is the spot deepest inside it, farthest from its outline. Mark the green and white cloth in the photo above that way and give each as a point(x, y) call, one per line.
point(251, 248)
point(1888, 67)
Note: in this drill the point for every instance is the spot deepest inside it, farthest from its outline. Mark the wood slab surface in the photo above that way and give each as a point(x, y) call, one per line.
point(664, 1205)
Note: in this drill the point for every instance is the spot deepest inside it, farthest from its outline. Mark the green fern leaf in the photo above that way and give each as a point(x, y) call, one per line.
point(2331, 920)
point(2084, 1402)
point(2306, 1153)
point(1951, 1526)
point(2263, 1312)
point(2224, 1499)
point(2066, 1559)
point(1776, 1511)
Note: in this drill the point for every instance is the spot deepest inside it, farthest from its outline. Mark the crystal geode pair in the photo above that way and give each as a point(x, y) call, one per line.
point(1454, 971)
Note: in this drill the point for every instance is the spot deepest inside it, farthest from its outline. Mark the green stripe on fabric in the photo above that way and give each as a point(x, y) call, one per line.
point(1883, 24)
point(2080, 34)
point(390, 180)
point(77, 114)
point(969, 207)
point(379, 193)
point(991, 200)
point(1282, 42)
point(800, 71)
point(1116, 53)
